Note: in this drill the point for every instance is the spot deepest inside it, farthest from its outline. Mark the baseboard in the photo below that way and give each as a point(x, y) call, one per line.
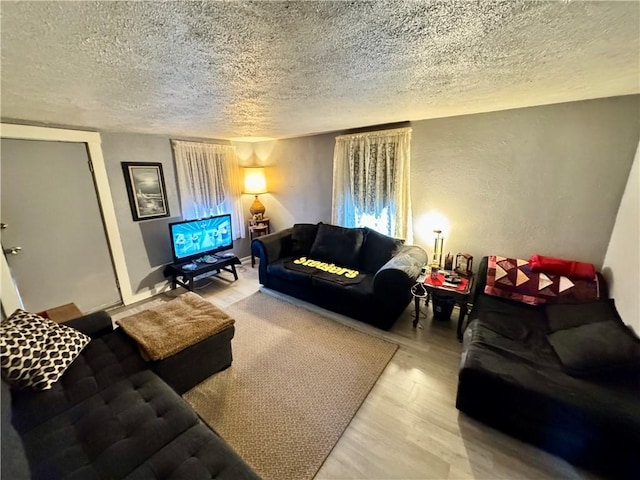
point(163, 287)
point(149, 292)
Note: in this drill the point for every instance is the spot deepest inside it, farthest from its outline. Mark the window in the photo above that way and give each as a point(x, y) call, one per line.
point(371, 182)
point(210, 182)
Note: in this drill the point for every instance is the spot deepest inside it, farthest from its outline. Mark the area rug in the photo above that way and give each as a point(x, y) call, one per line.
point(296, 382)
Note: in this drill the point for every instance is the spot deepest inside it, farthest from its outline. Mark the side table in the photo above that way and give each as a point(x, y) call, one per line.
point(460, 297)
point(257, 229)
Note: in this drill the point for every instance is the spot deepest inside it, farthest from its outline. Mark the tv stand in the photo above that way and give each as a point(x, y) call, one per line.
point(185, 278)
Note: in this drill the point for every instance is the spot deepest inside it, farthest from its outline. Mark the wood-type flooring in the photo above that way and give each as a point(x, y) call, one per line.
point(408, 427)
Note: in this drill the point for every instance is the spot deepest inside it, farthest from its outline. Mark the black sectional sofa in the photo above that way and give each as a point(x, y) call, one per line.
point(318, 263)
point(110, 417)
point(562, 377)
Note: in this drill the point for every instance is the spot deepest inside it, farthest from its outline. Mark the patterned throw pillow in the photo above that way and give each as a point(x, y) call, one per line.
point(35, 352)
point(512, 278)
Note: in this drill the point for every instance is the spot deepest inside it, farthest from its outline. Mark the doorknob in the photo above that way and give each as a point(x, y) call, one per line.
point(3, 226)
point(12, 250)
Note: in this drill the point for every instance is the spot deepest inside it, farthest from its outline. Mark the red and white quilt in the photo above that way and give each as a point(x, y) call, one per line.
point(513, 278)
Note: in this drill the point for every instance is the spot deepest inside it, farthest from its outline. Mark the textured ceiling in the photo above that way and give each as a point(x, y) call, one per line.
point(282, 69)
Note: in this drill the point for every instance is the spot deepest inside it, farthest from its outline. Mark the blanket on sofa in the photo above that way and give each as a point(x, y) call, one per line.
point(325, 271)
point(514, 279)
point(170, 328)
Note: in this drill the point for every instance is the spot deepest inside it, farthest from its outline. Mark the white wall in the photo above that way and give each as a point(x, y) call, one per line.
point(622, 260)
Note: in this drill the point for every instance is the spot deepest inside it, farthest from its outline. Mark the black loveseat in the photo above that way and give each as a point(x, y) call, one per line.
point(318, 263)
point(110, 417)
point(562, 377)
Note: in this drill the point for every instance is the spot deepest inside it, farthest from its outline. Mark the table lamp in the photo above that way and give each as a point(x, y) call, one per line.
point(255, 183)
point(437, 248)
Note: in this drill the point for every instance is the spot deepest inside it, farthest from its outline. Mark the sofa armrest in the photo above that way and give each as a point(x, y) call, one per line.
point(271, 248)
point(94, 324)
point(396, 277)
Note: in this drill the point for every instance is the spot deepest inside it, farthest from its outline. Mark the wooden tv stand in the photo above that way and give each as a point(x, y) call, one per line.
point(185, 278)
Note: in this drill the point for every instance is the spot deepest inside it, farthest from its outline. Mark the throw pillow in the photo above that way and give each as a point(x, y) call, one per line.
point(569, 316)
point(302, 237)
point(597, 349)
point(560, 266)
point(35, 352)
point(337, 245)
point(513, 278)
point(377, 250)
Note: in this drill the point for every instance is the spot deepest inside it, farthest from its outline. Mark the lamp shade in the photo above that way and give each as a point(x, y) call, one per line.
point(254, 180)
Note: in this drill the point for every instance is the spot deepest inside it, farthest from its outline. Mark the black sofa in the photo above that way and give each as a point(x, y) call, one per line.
point(515, 376)
point(387, 269)
point(110, 417)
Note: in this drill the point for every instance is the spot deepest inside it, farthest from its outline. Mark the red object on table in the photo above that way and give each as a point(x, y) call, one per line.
point(439, 282)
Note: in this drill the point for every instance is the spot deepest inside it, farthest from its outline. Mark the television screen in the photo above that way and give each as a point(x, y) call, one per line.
point(192, 239)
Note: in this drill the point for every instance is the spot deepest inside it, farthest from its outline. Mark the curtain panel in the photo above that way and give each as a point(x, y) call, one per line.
point(210, 182)
point(371, 182)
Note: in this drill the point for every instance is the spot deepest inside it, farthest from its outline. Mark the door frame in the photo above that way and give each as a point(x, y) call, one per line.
point(103, 191)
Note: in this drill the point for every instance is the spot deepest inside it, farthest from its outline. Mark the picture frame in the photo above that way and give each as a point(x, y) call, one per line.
point(464, 264)
point(146, 190)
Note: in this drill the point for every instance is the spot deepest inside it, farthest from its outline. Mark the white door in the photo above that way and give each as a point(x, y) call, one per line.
point(53, 223)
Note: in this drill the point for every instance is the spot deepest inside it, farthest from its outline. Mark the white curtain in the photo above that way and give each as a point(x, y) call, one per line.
point(371, 182)
point(210, 182)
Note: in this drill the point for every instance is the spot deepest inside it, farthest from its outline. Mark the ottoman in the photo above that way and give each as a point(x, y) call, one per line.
point(184, 340)
point(185, 369)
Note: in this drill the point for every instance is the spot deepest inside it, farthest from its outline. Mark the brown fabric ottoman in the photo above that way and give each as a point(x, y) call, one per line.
point(185, 369)
point(185, 340)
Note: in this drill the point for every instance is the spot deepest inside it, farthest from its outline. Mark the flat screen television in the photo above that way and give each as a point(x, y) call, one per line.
point(192, 239)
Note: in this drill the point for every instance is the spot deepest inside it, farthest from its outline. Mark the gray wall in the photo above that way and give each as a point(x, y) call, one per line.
point(299, 175)
point(535, 180)
point(542, 180)
point(146, 243)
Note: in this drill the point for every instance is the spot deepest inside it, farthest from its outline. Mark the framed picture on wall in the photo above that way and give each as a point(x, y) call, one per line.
point(146, 190)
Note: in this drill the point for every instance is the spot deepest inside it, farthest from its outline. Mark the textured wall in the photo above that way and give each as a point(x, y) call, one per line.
point(299, 176)
point(622, 262)
point(536, 180)
point(146, 243)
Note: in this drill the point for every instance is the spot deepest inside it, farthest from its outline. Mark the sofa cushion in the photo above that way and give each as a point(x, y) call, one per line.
point(355, 293)
point(195, 454)
point(279, 270)
point(109, 434)
point(596, 349)
point(14, 459)
point(36, 351)
point(302, 237)
point(377, 250)
point(569, 316)
point(106, 360)
point(338, 245)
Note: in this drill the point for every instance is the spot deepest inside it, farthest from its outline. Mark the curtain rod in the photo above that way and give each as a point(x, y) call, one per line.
point(376, 133)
